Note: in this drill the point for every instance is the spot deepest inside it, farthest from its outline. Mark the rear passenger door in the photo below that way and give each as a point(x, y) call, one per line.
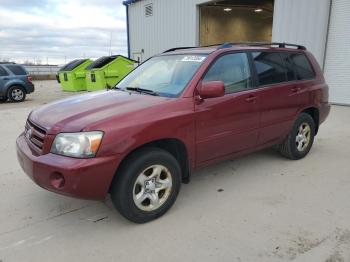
point(280, 100)
point(227, 124)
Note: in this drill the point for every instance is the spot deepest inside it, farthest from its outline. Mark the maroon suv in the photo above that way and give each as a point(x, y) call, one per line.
point(178, 111)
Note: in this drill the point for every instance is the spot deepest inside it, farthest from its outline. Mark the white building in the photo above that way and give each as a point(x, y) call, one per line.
point(323, 26)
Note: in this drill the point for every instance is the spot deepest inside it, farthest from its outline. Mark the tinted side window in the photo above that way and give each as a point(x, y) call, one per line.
point(269, 67)
point(233, 70)
point(3, 72)
point(17, 70)
point(289, 66)
point(303, 68)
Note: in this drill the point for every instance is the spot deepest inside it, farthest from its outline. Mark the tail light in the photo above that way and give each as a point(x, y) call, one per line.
point(30, 78)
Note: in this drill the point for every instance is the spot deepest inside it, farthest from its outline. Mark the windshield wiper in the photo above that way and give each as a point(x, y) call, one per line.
point(142, 90)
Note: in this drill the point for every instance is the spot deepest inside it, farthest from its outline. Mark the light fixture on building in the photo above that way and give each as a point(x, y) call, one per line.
point(258, 10)
point(227, 9)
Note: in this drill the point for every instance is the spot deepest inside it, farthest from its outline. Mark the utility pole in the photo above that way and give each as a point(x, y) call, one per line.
point(110, 44)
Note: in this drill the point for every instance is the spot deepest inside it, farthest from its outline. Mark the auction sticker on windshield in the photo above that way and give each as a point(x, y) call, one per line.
point(193, 58)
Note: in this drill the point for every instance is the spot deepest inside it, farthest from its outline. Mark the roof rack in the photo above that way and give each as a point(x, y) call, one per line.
point(279, 44)
point(176, 48)
point(228, 45)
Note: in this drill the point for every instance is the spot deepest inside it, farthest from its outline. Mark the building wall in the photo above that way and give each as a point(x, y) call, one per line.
point(302, 22)
point(173, 23)
point(337, 63)
point(240, 24)
point(176, 23)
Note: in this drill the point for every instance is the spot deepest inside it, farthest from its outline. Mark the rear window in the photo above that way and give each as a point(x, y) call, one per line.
point(3, 72)
point(270, 67)
point(302, 66)
point(71, 65)
point(17, 70)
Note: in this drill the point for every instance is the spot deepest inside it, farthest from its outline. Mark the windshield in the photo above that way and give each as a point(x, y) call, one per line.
point(165, 75)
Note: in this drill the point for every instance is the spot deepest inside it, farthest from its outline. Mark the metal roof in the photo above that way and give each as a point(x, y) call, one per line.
point(129, 2)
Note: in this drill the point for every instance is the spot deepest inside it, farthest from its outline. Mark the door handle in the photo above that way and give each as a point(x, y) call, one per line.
point(6, 78)
point(251, 99)
point(295, 89)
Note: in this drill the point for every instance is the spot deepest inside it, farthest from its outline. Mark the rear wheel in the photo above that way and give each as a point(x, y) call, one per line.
point(16, 94)
point(147, 185)
point(299, 141)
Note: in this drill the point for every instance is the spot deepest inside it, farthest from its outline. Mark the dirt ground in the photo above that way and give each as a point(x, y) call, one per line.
point(260, 207)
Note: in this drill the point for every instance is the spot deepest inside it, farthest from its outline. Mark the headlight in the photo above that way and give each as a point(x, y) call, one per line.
point(80, 145)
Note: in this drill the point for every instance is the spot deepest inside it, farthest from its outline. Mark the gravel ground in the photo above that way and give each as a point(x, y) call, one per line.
point(260, 207)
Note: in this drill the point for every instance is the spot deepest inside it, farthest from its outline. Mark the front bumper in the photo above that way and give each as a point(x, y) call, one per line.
point(83, 178)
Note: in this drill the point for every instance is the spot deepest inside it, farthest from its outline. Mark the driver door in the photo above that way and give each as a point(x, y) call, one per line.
point(228, 124)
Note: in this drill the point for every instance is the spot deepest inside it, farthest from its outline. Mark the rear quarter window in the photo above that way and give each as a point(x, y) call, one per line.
point(302, 66)
point(17, 70)
point(289, 67)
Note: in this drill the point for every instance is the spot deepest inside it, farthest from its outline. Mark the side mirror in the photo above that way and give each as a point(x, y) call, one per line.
point(211, 89)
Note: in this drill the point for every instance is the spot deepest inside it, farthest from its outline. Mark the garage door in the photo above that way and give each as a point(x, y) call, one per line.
point(337, 63)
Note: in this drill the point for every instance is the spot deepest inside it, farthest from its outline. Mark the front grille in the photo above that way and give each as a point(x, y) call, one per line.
point(35, 135)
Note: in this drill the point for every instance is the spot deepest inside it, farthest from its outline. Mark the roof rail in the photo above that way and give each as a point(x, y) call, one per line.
point(177, 48)
point(229, 45)
point(279, 44)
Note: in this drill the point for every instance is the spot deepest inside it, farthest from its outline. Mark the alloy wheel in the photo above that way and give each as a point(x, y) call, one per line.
point(302, 139)
point(17, 94)
point(152, 188)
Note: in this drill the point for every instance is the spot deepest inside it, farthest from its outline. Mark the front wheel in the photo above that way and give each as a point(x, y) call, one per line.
point(147, 185)
point(300, 139)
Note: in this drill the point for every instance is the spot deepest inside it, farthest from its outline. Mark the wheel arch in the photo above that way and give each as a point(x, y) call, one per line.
point(12, 84)
point(174, 146)
point(314, 112)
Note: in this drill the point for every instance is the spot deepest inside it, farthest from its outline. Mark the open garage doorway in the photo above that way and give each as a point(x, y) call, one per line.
point(235, 21)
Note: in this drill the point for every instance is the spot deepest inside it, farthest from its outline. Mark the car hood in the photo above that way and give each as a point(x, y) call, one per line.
point(76, 113)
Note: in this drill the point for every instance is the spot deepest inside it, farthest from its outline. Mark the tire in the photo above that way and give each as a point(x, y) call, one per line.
point(137, 183)
point(16, 94)
point(300, 139)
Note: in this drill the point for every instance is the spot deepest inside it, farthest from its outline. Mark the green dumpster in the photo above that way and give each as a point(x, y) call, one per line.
point(72, 75)
point(107, 71)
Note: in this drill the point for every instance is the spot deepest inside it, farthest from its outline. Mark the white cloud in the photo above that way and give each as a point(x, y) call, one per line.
point(61, 29)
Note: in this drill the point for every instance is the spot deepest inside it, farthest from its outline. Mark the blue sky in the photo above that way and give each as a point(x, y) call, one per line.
point(61, 30)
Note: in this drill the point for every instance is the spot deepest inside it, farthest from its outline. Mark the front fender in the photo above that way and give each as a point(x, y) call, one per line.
point(172, 121)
